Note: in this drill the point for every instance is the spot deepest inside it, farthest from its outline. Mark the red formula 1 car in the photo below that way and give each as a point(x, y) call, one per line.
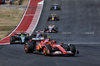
point(51, 29)
point(48, 47)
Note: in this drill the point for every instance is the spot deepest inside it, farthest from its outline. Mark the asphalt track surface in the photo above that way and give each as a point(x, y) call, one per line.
point(79, 24)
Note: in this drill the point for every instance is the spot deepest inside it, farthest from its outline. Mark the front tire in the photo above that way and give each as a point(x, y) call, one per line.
point(47, 50)
point(71, 48)
point(56, 29)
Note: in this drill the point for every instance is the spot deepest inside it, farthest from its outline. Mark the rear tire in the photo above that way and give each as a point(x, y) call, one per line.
point(57, 18)
point(56, 29)
point(3, 2)
point(52, 8)
point(12, 40)
point(45, 36)
point(48, 18)
point(29, 47)
point(44, 30)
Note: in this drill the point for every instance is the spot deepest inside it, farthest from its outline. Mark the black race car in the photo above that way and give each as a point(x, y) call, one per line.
point(53, 17)
point(51, 29)
point(19, 38)
point(55, 7)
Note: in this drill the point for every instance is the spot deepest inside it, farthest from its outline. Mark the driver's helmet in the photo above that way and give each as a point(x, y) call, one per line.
point(55, 4)
point(21, 31)
point(50, 25)
point(38, 31)
point(22, 35)
point(49, 37)
point(53, 14)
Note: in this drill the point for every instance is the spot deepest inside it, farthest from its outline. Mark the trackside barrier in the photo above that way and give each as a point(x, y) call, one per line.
point(29, 20)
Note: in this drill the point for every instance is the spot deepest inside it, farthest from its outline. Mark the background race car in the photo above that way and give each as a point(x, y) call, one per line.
point(39, 35)
point(19, 38)
point(48, 47)
point(53, 17)
point(55, 7)
point(51, 29)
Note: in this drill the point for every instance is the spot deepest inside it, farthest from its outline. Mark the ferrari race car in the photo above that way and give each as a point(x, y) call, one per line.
point(48, 47)
point(55, 7)
point(51, 29)
point(53, 17)
point(39, 35)
point(19, 38)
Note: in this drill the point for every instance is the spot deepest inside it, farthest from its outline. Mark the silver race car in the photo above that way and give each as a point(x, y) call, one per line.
point(19, 38)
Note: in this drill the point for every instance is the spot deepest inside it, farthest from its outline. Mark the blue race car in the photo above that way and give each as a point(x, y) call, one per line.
point(55, 7)
point(39, 36)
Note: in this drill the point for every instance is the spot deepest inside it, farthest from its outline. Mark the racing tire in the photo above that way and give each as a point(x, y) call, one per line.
point(45, 36)
point(29, 47)
point(58, 9)
point(2, 2)
point(71, 48)
point(49, 18)
point(57, 17)
point(44, 30)
point(12, 40)
point(51, 8)
point(47, 50)
point(56, 29)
